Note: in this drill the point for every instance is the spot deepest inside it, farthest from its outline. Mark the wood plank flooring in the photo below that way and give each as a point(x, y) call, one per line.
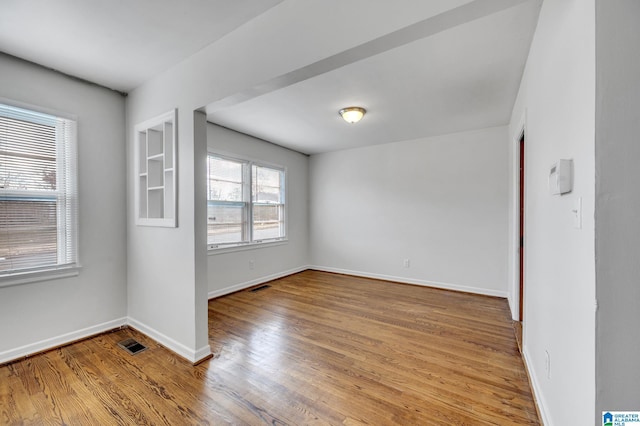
point(314, 348)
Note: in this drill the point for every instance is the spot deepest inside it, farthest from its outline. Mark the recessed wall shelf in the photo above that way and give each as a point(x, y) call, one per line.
point(156, 171)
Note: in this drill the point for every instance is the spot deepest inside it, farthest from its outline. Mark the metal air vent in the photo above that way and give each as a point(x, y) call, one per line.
point(132, 346)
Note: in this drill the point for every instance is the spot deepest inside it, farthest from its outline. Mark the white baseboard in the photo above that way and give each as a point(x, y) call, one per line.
point(193, 356)
point(237, 287)
point(536, 389)
point(403, 280)
point(512, 307)
point(67, 338)
point(61, 340)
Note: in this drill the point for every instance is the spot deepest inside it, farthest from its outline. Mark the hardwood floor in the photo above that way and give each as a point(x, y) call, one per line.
point(314, 348)
point(517, 329)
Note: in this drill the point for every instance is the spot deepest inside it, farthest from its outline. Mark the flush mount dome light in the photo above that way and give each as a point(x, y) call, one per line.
point(352, 114)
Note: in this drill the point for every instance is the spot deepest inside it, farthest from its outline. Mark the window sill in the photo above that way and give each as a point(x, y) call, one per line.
point(26, 277)
point(242, 247)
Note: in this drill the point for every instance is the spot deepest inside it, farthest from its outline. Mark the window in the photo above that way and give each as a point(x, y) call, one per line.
point(38, 191)
point(246, 202)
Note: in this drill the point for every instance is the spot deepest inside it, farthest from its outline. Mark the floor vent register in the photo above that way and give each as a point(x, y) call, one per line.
point(132, 346)
point(262, 287)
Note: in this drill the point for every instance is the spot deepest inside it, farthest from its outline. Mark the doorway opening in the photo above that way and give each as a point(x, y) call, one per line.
point(517, 325)
point(521, 227)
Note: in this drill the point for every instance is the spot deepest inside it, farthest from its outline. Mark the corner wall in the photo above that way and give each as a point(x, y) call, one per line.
point(39, 315)
point(617, 203)
point(230, 270)
point(165, 263)
point(557, 98)
point(440, 203)
point(167, 268)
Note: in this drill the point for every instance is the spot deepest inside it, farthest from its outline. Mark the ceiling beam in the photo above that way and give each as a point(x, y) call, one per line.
point(436, 24)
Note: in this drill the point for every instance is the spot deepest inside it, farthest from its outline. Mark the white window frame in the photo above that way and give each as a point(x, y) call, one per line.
point(247, 182)
point(66, 206)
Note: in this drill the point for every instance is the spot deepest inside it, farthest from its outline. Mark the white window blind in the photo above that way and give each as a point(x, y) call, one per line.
point(246, 202)
point(38, 191)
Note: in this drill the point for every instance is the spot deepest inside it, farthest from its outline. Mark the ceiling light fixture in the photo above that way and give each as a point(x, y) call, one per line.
point(352, 114)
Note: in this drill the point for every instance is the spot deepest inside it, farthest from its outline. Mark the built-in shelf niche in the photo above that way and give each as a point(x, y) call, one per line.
point(156, 173)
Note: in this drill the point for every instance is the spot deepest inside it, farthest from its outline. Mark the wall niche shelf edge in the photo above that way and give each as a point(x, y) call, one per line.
point(156, 142)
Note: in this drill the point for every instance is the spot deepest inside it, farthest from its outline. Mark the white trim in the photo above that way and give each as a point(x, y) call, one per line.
point(536, 389)
point(68, 338)
point(514, 252)
point(247, 179)
point(168, 220)
point(65, 194)
point(195, 356)
point(32, 276)
point(403, 280)
point(157, 222)
point(237, 287)
point(39, 108)
point(202, 353)
point(245, 246)
point(61, 340)
point(191, 355)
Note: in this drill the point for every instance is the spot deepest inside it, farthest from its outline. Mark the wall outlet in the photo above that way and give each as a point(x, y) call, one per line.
point(547, 364)
point(406, 263)
point(251, 264)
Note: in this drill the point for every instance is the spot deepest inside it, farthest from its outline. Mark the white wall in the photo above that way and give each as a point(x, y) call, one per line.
point(39, 315)
point(440, 202)
point(617, 204)
point(164, 263)
point(230, 270)
point(167, 268)
point(557, 97)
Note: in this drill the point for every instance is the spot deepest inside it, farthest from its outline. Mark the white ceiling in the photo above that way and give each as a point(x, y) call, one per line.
point(118, 43)
point(454, 71)
point(462, 75)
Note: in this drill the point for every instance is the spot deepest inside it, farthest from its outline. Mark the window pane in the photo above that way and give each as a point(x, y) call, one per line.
point(225, 179)
point(38, 190)
point(267, 185)
point(268, 221)
point(225, 191)
point(27, 155)
point(226, 170)
point(28, 233)
point(226, 223)
point(246, 202)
